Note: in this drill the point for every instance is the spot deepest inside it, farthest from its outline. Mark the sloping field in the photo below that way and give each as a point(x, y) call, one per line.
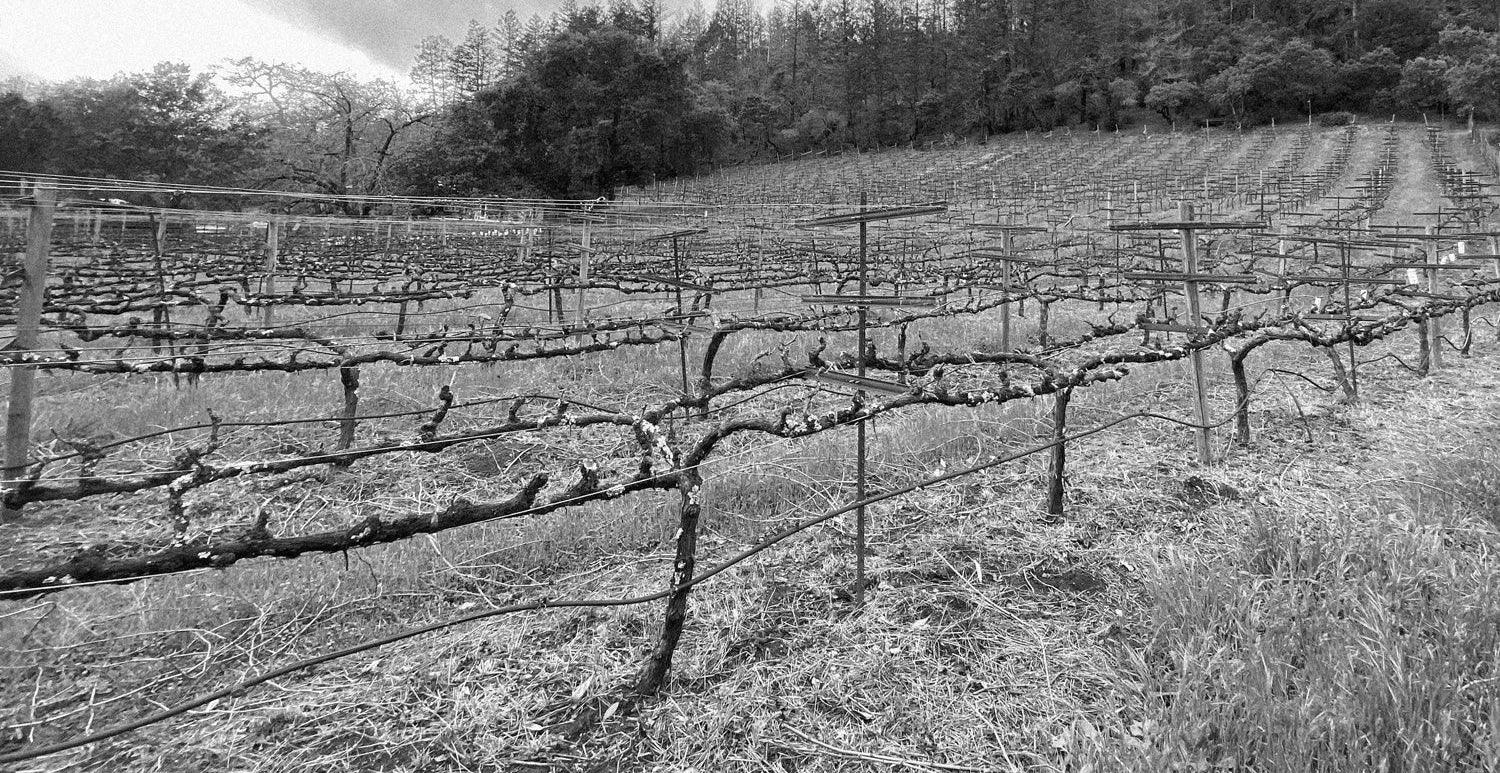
point(1121, 512)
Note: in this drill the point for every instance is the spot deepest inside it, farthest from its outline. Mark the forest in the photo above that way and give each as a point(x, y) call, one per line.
point(592, 97)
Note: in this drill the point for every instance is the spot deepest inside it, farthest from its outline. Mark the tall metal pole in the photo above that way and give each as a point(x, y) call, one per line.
point(682, 341)
point(860, 460)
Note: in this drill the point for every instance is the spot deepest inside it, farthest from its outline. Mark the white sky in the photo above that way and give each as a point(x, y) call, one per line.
point(61, 39)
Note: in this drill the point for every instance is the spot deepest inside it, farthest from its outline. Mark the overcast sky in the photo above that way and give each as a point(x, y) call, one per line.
point(61, 39)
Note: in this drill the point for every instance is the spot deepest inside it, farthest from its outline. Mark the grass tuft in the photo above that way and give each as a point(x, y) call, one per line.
point(1365, 638)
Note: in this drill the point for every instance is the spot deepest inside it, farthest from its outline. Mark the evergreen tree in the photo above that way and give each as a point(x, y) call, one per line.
point(432, 73)
point(474, 64)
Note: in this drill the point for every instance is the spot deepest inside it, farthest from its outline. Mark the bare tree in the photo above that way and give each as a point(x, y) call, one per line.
point(328, 133)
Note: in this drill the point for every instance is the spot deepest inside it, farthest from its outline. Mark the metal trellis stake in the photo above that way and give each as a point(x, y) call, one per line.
point(862, 302)
point(862, 453)
point(1187, 228)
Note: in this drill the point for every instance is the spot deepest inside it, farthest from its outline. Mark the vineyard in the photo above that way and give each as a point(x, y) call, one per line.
point(647, 480)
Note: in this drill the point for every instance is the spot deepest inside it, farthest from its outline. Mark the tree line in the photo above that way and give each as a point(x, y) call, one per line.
point(596, 96)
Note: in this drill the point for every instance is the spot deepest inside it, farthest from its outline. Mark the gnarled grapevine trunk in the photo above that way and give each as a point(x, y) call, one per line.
point(653, 676)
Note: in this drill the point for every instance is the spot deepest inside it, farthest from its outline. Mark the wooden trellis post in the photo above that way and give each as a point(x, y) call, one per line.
point(1008, 251)
point(556, 276)
point(1202, 434)
point(1494, 237)
point(28, 335)
point(1007, 258)
point(585, 252)
point(1434, 324)
point(268, 287)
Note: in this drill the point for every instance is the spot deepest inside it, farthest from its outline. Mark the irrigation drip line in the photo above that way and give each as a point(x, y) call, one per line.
point(541, 604)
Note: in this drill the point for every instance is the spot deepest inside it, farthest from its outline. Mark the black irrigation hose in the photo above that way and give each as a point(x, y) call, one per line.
point(1455, 347)
point(742, 556)
point(1315, 384)
point(1392, 356)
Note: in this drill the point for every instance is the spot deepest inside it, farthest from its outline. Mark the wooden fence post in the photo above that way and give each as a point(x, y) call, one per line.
point(1195, 318)
point(405, 287)
point(268, 287)
point(1009, 245)
point(28, 334)
point(583, 277)
point(1495, 250)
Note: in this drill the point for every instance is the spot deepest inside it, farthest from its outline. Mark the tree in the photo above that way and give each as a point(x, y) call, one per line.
point(1473, 80)
point(589, 112)
point(164, 125)
point(1274, 77)
point(1422, 83)
point(474, 64)
point(641, 19)
point(30, 131)
point(432, 73)
point(1366, 83)
point(595, 111)
point(1174, 99)
point(826, 73)
point(462, 158)
point(1403, 26)
point(329, 133)
point(513, 44)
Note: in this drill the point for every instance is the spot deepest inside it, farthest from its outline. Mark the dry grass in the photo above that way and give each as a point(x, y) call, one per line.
point(1354, 624)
